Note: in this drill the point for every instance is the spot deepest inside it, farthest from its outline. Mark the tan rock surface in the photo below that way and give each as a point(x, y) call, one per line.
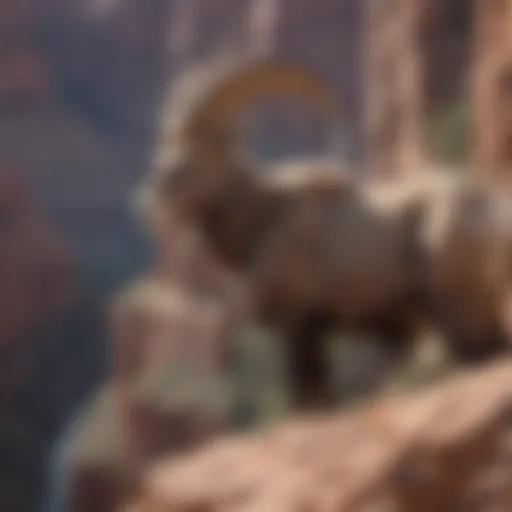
point(444, 449)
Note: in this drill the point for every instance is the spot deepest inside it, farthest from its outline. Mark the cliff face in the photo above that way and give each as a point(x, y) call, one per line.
point(446, 449)
point(51, 343)
point(37, 271)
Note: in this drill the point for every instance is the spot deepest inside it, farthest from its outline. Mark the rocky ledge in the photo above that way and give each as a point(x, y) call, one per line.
point(446, 448)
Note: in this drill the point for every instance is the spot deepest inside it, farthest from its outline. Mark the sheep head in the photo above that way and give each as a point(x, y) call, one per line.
point(199, 158)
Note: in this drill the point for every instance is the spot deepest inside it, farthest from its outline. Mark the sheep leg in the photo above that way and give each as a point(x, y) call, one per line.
point(306, 357)
point(394, 335)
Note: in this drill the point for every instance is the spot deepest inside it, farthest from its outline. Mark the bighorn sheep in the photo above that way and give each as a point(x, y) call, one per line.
point(321, 251)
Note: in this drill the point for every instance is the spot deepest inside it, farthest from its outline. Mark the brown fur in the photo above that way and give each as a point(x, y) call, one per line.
point(320, 252)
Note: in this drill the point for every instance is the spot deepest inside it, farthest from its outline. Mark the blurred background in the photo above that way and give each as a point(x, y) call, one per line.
point(81, 84)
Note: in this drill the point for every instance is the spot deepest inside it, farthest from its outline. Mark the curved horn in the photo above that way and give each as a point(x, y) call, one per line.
point(238, 89)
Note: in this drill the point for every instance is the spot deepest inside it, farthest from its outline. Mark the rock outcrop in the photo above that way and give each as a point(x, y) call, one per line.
point(444, 449)
point(167, 392)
